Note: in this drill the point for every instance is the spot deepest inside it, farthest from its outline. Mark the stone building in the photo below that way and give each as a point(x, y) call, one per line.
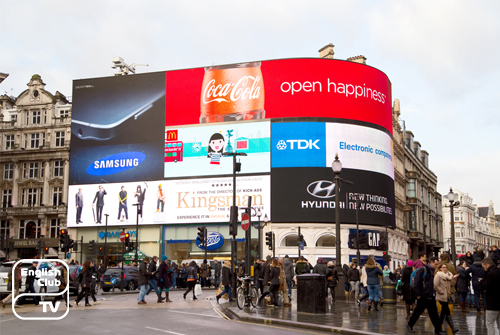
point(34, 140)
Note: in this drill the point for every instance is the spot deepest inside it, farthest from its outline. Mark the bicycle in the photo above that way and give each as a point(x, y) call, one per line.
point(247, 293)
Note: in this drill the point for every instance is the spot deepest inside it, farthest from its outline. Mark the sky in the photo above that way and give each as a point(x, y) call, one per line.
point(439, 55)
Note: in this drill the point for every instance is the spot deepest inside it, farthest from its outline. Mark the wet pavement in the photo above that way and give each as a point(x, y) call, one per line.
point(348, 318)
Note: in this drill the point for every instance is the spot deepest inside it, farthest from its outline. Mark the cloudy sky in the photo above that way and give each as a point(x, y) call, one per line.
point(439, 55)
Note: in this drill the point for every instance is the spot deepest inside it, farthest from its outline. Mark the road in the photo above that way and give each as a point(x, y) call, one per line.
point(120, 314)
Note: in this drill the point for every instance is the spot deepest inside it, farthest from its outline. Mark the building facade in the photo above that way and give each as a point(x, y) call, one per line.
point(34, 142)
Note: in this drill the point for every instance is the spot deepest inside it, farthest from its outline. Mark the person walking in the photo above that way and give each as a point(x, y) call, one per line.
point(174, 275)
point(354, 277)
point(205, 270)
point(463, 284)
point(274, 276)
point(226, 281)
point(347, 287)
point(30, 284)
point(143, 280)
point(265, 279)
point(321, 269)
point(163, 281)
point(301, 267)
point(332, 279)
point(283, 284)
point(153, 269)
point(16, 280)
point(86, 282)
point(478, 273)
point(217, 272)
point(445, 259)
point(426, 296)
point(408, 291)
point(490, 285)
point(372, 273)
point(192, 279)
point(288, 269)
point(442, 284)
point(364, 286)
point(257, 275)
point(63, 277)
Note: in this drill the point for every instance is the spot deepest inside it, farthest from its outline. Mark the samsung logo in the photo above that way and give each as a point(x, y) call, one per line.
point(116, 163)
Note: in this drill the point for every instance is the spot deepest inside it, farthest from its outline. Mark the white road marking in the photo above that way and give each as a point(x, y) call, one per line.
point(210, 316)
point(8, 319)
point(164, 331)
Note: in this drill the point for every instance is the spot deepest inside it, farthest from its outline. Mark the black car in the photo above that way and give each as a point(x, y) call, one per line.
point(112, 275)
point(74, 285)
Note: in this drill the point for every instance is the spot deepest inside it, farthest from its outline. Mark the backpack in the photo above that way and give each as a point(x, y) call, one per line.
point(412, 278)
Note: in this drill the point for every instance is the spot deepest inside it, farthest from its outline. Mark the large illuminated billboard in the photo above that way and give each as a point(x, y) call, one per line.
point(176, 129)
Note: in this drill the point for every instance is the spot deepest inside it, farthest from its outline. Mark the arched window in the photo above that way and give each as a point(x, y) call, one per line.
point(291, 240)
point(326, 241)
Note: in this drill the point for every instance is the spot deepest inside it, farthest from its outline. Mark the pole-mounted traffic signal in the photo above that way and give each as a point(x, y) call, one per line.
point(384, 257)
point(63, 237)
point(39, 247)
point(201, 236)
point(127, 240)
point(101, 250)
point(233, 221)
point(269, 240)
point(91, 246)
point(131, 246)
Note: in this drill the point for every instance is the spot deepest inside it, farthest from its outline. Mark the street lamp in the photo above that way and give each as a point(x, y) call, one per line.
point(337, 168)
point(451, 198)
point(259, 214)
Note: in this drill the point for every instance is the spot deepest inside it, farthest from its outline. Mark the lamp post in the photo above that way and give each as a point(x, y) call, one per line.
point(453, 203)
point(337, 168)
point(358, 254)
point(259, 214)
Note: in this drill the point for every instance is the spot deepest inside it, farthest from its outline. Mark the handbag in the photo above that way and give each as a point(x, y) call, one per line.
point(399, 288)
point(197, 290)
point(220, 289)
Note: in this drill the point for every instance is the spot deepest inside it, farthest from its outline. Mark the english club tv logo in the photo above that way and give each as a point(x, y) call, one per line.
point(47, 279)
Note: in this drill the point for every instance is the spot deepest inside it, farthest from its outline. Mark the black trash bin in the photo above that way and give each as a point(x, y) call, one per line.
point(389, 291)
point(311, 293)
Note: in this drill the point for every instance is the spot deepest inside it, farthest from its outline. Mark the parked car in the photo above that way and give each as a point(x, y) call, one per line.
point(130, 274)
point(7, 266)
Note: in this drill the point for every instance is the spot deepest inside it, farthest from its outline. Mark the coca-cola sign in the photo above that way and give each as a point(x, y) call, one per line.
point(247, 87)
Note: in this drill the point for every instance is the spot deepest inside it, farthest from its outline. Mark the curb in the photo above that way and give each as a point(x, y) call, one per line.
point(294, 324)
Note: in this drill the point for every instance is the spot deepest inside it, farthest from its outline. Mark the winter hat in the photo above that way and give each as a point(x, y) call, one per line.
point(164, 258)
point(410, 263)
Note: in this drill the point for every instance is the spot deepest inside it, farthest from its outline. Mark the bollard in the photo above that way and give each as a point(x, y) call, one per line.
point(389, 291)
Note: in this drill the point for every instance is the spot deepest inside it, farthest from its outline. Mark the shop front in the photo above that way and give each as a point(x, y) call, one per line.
point(179, 243)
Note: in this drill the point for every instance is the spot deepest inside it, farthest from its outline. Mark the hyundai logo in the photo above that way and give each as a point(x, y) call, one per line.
point(321, 189)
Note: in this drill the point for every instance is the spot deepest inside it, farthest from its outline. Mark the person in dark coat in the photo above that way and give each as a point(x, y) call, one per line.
point(495, 254)
point(99, 197)
point(257, 275)
point(152, 278)
point(478, 253)
point(30, 284)
point(408, 292)
point(217, 272)
point(288, 269)
point(163, 281)
point(490, 285)
point(86, 282)
point(354, 277)
point(468, 258)
point(347, 286)
point(478, 273)
point(274, 276)
point(301, 267)
point(143, 280)
point(332, 279)
point(265, 279)
point(226, 281)
point(463, 284)
point(372, 273)
point(192, 278)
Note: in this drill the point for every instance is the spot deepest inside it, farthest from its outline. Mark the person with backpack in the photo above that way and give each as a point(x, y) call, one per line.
point(478, 273)
point(408, 291)
point(301, 267)
point(426, 296)
point(443, 280)
point(463, 284)
point(332, 279)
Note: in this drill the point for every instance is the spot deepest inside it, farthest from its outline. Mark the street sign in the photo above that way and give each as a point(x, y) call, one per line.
point(122, 236)
point(301, 245)
point(113, 281)
point(68, 255)
point(245, 221)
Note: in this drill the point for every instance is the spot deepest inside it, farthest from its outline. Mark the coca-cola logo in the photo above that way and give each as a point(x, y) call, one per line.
point(247, 87)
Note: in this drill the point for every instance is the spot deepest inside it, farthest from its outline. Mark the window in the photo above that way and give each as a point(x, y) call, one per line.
point(58, 168)
point(326, 241)
point(44, 116)
point(291, 241)
point(4, 229)
point(8, 171)
point(59, 138)
point(34, 140)
point(30, 195)
point(35, 117)
point(55, 224)
point(6, 198)
point(29, 229)
point(9, 142)
point(64, 113)
point(27, 117)
point(413, 218)
point(429, 199)
point(435, 205)
point(422, 193)
point(411, 188)
point(33, 170)
point(457, 234)
point(56, 196)
point(13, 117)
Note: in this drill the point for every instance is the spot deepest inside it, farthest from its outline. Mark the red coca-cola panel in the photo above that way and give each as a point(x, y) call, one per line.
point(293, 88)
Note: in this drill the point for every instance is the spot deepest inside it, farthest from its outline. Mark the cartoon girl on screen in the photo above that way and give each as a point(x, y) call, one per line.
point(215, 148)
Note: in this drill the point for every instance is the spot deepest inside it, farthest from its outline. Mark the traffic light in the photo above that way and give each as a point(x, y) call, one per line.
point(63, 237)
point(233, 221)
point(131, 246)
point(387, 258)
point(101, 251)
point(69, 243)
point(46, 250)
point(91, 246)
point(201, 236)
point(75, 246)
point(269, 240)
point(300, 239)
point(39, 247)
point(127, 239)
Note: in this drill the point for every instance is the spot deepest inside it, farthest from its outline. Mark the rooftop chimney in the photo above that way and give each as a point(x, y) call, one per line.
point(326, 51)
point(358, 59)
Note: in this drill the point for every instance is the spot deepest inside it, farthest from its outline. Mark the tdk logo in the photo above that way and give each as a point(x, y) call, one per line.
point(297, 144)
point(321, 189)
point(116, 163)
